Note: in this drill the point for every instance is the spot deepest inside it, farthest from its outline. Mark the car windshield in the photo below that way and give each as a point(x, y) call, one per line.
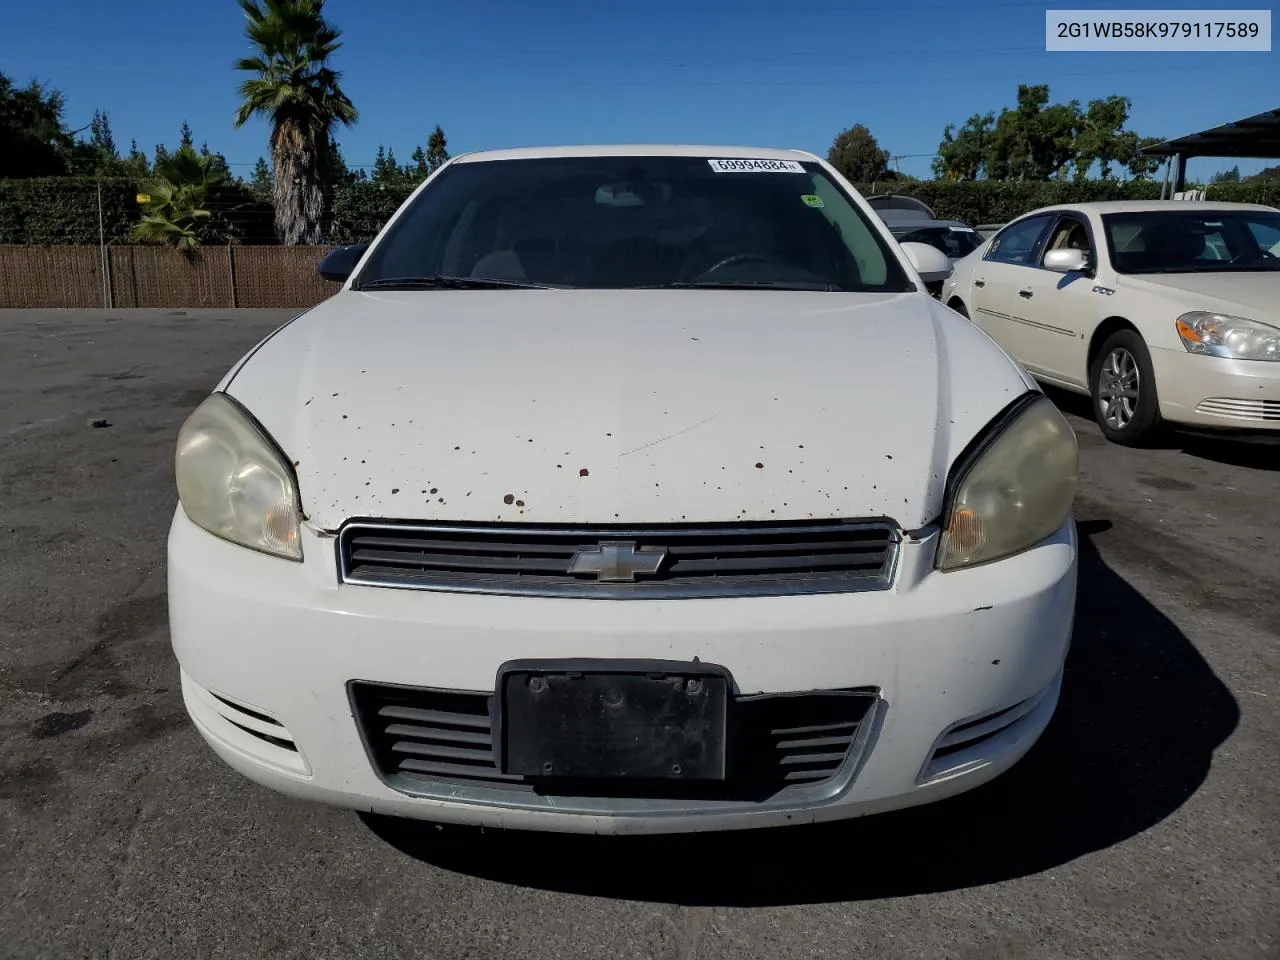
point(955, 242)
point(1193, 241)
point(634, 222)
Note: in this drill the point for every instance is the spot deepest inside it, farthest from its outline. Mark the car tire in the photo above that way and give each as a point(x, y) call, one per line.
point(1122, 385)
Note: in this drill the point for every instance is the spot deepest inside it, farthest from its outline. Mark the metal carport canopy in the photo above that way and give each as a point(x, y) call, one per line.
point(1256, 137)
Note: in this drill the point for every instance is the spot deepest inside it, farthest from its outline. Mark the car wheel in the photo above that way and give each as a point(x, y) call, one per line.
point(1123, 385)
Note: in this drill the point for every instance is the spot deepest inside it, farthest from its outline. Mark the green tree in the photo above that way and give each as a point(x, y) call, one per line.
point(33, 142)
point(1100, 136)
point(419, 166)
point(100, 137)
point(177, 211)
point(293, 86)
point(961, 152)
point(385, 168)
point(217, 162)
point(437, 150)
point(341, 175)
point(857, 155)
point(1227, 176)
point(1265, 175)
point(135, 164)
point(184, 136)
point(1034, 140)
point(1141, 166)
point(260, 181)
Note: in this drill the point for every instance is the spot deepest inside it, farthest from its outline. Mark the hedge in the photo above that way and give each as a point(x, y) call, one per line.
point(57, 210)
point(360, 210)
point(47, 210)
point(65, 209)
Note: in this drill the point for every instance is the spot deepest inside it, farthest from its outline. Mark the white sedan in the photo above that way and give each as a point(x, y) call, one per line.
point(625, 489)
point(1160, 310)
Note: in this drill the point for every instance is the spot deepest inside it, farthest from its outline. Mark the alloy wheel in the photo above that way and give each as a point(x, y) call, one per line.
point(1118, 386)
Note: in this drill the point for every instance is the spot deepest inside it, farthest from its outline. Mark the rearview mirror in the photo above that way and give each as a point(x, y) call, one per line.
point(340, 262)
point(930, 262)
point(1067, 261)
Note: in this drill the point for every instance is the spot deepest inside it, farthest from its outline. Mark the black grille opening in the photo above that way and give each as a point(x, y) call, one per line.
point(701, 560)
point(774, 742)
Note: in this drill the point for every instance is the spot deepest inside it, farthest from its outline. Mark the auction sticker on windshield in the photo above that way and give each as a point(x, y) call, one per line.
point(756, 166)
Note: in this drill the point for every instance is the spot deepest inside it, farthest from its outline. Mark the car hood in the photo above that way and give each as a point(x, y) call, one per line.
point(624, 406)
point(1253, 292)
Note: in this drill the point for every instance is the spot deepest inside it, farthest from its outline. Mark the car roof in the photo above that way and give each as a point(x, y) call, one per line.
point(1151, 206)
point(638, 150)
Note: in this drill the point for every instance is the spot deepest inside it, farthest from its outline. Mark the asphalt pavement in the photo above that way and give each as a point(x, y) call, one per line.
point(1146, 822)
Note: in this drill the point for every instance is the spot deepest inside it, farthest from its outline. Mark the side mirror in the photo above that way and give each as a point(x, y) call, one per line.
point(931, 263)
point(1067, 261)
point(340, 262)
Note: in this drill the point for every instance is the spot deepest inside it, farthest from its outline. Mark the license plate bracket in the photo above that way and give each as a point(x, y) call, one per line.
point(606, 719)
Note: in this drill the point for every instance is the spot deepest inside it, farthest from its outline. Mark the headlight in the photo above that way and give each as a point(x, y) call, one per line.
point(1015, 492)
point(233, 481)
point(1221, 335)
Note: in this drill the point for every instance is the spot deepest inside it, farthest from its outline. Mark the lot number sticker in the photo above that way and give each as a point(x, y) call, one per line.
point(756, 166)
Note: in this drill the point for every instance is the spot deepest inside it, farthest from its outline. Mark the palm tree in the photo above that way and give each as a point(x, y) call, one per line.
point(176, 211)
point(295, 89)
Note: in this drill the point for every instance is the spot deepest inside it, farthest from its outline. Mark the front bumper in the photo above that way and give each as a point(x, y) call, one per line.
point(1215, 393)
point(267, 648)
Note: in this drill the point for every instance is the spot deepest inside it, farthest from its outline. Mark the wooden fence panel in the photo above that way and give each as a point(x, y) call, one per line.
point(280, 277)
point(53, 276)
point(71, 276)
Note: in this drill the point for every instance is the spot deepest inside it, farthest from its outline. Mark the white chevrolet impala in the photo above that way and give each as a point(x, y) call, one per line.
point(625, 489)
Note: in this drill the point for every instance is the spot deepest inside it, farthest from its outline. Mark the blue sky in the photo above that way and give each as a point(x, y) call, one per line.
point(508, 73)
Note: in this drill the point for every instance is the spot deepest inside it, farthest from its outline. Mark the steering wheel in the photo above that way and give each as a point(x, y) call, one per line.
point(733, 260)
point(1260, 255)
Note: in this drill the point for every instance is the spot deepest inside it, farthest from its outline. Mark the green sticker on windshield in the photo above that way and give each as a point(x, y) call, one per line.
point(812, 201)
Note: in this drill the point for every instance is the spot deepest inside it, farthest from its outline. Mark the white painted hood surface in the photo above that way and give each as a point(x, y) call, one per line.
point(1249, 293)
point(625, 406)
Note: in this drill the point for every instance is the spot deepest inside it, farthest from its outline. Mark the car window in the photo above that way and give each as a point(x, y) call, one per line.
point(1267, 235)
point(630, 222)
point(1189, 240)
point(1017, 242)
point(955, 242)
point(1068, 234)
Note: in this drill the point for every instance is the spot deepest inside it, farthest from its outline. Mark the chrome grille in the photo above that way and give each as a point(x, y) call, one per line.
point(728, 559)
point(418, 736)
point(1241, 409)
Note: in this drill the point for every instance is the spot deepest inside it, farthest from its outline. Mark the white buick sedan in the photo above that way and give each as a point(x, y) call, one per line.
point(1161, 310)
point(625, 489)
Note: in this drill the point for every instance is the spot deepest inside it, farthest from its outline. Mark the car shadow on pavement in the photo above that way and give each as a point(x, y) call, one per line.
point(1133, 737)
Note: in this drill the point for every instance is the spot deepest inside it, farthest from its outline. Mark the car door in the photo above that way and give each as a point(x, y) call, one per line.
point(1057, 311)
point(1005, 269)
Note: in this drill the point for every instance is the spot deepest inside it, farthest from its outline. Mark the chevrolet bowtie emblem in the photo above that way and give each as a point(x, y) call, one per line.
point(618, 561)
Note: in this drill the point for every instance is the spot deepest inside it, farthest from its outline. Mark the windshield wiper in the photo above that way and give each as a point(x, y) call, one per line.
point(446, 283)
point(743, 285)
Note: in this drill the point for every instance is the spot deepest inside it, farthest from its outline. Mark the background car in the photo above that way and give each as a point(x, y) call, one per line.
point(912, 221)
point(1160, 310)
